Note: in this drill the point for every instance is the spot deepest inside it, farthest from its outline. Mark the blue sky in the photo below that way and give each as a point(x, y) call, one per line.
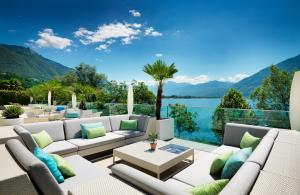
point(207, 40)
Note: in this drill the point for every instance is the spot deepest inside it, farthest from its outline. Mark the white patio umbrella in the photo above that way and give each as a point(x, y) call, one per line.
point(295, 102)
point(130, 99)
point(49, 98)
point(74, 100)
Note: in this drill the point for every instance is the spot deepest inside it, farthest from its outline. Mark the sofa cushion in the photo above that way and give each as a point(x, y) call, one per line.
point(273, 133)
point(99, 141)
point(224, 149)
point(249, 140)
point(242, 182)
point(142, 121)
point(42, 139)
point(130, 134)
point(199, 172)
point(235, 162)
point(179, 185)
point(85, 126)
point(73, 130)
point(95, 132)
point(261, 153)
point(50, 162)
point(115, 121)
point(54, 128)
point(129, 125)
point(211, 188)
point(35, 168)
point(288, 136)
point(65, 168)
point(85, 171)
point(61, 148)
point(219, 163)
point(26, 137)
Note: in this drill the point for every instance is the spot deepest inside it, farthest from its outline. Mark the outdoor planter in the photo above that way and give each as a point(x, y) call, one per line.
point(165, 128)
point(13, 121)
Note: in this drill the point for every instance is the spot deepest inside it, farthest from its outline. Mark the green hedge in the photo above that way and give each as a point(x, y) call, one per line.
point(8, 96)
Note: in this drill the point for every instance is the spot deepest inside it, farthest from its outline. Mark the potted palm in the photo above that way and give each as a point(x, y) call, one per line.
point(12, 115)
point(161, 72)
point(152, 138)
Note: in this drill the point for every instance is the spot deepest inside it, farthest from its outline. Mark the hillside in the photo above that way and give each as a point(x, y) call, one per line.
point(25, 62)
point(209, 89)
point(248, 84)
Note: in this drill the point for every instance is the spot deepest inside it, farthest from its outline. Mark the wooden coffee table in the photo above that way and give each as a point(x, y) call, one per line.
point(156, 161)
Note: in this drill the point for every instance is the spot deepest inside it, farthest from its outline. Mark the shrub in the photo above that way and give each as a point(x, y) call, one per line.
point(12, 112)
point(9, 96)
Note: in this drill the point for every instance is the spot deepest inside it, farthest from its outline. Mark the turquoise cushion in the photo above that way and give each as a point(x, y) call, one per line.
point(50, 162)
point(86, 126)
point(234, 163)
point(72, 114)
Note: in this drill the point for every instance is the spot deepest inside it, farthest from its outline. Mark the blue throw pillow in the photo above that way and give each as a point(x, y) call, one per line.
point(59, 108)
point(85, 126)
point(234, 163)
point(50, 162)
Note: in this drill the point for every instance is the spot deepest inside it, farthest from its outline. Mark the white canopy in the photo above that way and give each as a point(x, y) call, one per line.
point(295, 102)
point(74, 101)
point(130, 100)
point(49, 98)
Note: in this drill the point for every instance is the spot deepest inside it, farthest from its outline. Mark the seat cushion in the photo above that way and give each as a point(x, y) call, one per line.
point(61, 148)
point(85, 171)
point(288, 136)
point(198, 173)
point(73, 129)
point(179, 185)
point(142, 121)
point(224, 149)
point(130, 134)
point(99, 141)
point(115, 121)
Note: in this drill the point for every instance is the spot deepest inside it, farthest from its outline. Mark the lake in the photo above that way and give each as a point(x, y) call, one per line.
point(204, 108)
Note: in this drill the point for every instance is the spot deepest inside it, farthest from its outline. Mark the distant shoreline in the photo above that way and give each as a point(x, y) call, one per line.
point(188, 97)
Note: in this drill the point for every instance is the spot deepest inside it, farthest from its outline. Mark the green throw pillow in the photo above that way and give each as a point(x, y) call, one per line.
point(42, 139)
point(249, 140)
point(64, 167)
point(95, 132)
point(129, 125)
point(219, 163)
point(211, 188)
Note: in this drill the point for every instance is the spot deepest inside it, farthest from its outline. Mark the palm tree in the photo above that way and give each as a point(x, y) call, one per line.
point(160, 72)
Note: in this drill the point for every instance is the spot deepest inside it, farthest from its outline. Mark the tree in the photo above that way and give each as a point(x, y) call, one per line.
point(184, 120)
point(142, 94)
point(160, 72)
point(87, 75)
point(232, 99)
point(11, 84)
point(274, 92)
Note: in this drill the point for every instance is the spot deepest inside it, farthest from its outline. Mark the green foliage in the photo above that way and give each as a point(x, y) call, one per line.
point(142, 94)
point(232, 99)
point(160, 72)
point(274, 92)
point(12, 112)
point(11, 84)
point(8, 96)
point(116, 92)
point(152, 137)
point(184, 120)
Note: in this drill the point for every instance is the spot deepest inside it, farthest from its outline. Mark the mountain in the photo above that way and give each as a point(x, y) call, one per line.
point(25, 62)
point(209, 89)
point(247, 85)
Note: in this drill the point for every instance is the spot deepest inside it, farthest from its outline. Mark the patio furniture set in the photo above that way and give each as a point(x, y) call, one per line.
point(265, 166)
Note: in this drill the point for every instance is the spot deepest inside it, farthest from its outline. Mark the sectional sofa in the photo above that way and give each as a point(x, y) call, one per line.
point(67, 134)
point(275, 162)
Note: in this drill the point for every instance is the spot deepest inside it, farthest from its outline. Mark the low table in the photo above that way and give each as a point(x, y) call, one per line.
point(156, 161)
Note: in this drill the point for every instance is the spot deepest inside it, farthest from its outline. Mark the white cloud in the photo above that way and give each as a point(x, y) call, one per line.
point(107, 34)
point(235, 78)
point(151, 32)
point(105, 46)
point(159, 55)
point(191, 80)
point(124, 31)
point(68, 50)
point(49, 39)
point(135, 13)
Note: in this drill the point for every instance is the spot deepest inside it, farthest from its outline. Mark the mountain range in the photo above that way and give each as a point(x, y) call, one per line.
point(218, 88)
point(25, 62)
